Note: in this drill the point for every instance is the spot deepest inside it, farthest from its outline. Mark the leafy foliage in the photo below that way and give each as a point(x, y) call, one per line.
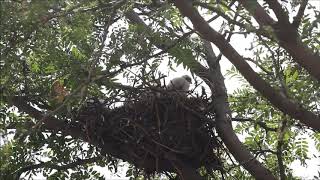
point(94, 50)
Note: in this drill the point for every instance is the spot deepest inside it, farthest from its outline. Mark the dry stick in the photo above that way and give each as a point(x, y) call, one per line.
point(220, 13)
point(248, 26)
point(276, 64)
point(258, 65)
point(160, 144)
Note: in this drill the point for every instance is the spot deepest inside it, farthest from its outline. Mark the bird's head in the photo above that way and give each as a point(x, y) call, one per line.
point(187, 78)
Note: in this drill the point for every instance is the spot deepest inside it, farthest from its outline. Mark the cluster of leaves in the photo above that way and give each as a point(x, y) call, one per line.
point(42, 42)
point(89, 45)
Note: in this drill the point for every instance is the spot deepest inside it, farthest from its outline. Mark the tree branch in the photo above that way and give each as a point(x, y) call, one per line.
point(258, 12)
point(297, 19)
point(220, 13)
point(223, 118)
point(49, 122)
point(279, 149)
point(53, 165)
point(276, 7)
point(54, 124)
point(260, 123)
point(286, 105)
point(287, 35)
point(135, 19)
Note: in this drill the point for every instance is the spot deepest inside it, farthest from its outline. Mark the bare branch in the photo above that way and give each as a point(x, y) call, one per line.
point(259, 65)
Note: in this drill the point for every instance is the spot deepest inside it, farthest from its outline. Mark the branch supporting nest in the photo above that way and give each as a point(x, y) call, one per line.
point(154, 130)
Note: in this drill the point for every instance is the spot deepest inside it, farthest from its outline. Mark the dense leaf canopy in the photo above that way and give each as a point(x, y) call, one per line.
point(56, 56)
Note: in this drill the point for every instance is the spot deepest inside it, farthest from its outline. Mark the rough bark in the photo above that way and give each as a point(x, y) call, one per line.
point(284, 104)
point(224, 127)
point(286, 33)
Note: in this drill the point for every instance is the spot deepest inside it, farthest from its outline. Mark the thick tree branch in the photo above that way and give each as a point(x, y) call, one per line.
point(223, 118)
point(276, 7)
point(287, 35)
point(297, 19)
point(260, 15)
point(286, 105)
point(250, 28)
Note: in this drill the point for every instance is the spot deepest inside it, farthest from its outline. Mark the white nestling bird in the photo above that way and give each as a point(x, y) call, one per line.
point(180, 83)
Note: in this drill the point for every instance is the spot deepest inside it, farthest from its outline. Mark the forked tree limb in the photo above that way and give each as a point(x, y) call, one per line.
point(279, 100)
point(223, 119)
point(280, 13)
point(223, 113)
point(286, 33)
point(297, 19)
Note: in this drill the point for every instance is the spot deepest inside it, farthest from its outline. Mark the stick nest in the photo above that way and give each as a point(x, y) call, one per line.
point(154, 131)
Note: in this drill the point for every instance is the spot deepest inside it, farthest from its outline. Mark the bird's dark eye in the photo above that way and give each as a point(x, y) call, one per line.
point(188, 79)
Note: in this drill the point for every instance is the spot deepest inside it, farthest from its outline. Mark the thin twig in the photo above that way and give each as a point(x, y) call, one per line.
point(53, 165)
